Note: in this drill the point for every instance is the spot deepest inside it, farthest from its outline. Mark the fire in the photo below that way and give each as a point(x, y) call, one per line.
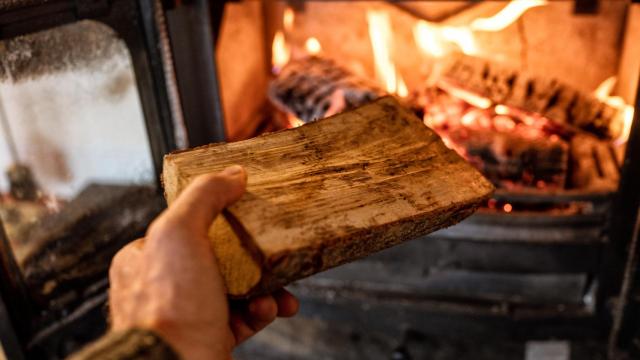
point(436, 40)
point(461, 36)
point(288, 18)
point(381, 37)
point(293, 121)
point(312, 45)
point(468, 96)
point(622, 123)
point(280, 52)
point(507, 16)
point(402, 87)
point(427, 37)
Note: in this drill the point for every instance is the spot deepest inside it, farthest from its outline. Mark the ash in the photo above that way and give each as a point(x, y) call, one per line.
point(85, 45)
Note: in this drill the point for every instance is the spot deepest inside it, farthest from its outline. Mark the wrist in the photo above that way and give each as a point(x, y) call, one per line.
point(194, 343)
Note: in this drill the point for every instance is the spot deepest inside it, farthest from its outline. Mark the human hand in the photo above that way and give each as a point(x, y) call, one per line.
point(169, 282)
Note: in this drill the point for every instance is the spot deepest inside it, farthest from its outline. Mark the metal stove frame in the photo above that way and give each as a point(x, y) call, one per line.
point(158, 34)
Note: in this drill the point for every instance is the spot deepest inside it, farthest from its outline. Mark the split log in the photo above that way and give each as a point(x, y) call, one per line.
point(330, 192)
point(548, 97)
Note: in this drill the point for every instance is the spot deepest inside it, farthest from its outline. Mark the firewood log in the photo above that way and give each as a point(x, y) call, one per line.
point(548, 97)
point(594, 164)
point(329, 192)
point(310, 87)
point(505, 157)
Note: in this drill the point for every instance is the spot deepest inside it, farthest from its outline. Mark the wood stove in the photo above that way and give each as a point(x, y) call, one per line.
point(514, 86)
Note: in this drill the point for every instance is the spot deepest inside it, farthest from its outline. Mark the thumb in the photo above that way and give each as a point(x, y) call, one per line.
point(206, 197)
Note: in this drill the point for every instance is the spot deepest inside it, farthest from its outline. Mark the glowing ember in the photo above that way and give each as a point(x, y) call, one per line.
point(280, 52)
point(512, 147)
point(622, 123)
point(507, 16)
point(381, 37)
point(501, 110)
point(312, 45)
point(507, 208)
point(288, 18)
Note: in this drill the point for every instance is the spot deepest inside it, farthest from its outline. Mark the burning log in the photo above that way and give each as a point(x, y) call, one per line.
point(509, 159)
point(548, 97)
point(594, 164)
point(330, 192)
point(313, 88)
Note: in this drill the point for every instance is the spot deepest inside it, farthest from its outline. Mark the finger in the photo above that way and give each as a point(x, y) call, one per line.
point(240, 329)
point(123, 278)
point(125, 263)
point(206, 196)
point(249, 318)
point(262, 310)
point(288, 304)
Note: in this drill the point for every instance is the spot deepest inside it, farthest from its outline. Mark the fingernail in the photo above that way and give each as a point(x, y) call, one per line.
point(233, 170)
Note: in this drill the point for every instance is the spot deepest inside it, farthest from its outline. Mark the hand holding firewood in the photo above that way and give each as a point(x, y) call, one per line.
point(169, 282)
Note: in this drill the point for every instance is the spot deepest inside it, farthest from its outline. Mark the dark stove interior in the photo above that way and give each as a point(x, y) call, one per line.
point(539, 96)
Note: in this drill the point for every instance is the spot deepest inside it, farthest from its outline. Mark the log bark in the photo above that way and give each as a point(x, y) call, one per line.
point(330, 192)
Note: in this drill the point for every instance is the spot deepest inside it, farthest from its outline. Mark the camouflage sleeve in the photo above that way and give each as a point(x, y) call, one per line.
point(134, 344)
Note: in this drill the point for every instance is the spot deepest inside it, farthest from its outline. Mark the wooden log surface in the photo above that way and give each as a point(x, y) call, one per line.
point(330, 192)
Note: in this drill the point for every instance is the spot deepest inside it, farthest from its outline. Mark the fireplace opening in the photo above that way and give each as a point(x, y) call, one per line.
point(538, 95)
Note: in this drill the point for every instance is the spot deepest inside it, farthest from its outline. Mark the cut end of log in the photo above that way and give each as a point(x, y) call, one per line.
point(241, 272)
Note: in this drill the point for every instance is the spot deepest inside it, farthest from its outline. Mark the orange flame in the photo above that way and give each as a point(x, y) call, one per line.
point(280, 52)
point(381, 37)
point(507, 16)
point(288, 18)
point(433, 40)
point(436, 40)
point(461, 36)
point(428, 38)
point(312, 45)
point(621, 124)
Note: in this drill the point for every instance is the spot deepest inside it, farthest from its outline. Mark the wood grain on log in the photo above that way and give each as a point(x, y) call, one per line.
point(330, 192)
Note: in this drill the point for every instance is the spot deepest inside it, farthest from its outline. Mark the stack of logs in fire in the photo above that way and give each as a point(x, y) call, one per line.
point(525, 133)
